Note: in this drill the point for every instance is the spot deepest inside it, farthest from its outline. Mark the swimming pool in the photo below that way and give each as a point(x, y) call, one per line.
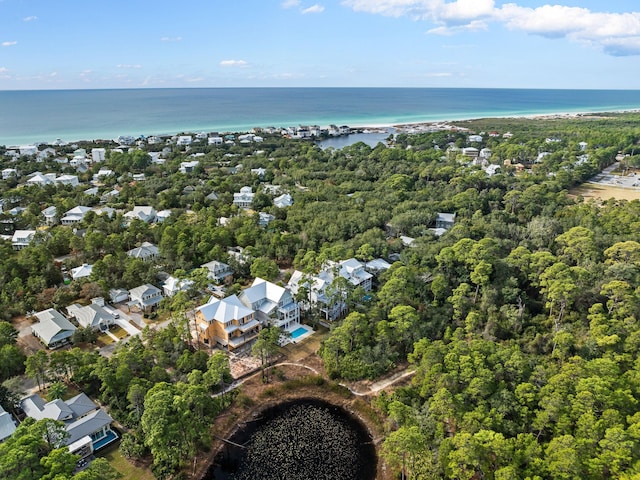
point(298, 332)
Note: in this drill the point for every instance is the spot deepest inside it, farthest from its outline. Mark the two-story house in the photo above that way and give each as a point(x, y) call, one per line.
point(146, 297)
point(219, 272)
point(226, 322)
point(273, 304)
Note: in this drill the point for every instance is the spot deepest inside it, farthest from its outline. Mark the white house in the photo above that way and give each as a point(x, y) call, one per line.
point(188, 167)
point(75, 215)
point(53, 329)
point(331, 304)
point(272, 303)
point(22, 238)
point(83, 271)
point(146, 296)
point(475, 138)
point(49, 215)
point(68, 180)
point(184, 140)
point(147, 252)
point(102, 174)
point(145, 213)
point(91, 316)
point(173, 285)
point(8, 173)
point(28, 150)
point(244, 199)
point(283, 201)
point(162, 215)
point(219, 272)
point(265, 218)
point(215, 141)
point(98, 154)
point(40, 179)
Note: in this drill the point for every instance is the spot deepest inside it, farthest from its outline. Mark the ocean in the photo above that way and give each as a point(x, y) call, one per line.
point(32, 116)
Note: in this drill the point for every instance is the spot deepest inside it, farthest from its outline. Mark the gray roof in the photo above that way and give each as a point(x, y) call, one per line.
point(87, 425)
point(52, 326)
point(7, 425)
point(225, 310)
point(35, 407)
point(81, 404)
point(91, 315)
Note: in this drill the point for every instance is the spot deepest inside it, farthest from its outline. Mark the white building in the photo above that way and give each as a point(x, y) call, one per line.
point(98, 154)
point(244, 199)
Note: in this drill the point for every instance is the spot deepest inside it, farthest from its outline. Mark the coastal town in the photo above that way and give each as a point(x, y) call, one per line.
point(214, 268)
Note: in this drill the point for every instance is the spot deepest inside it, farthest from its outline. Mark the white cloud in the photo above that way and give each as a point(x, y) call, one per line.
point(233, 63)
point(127, 65)
point(290, 3)
point(313, 9)
point(30, 18)
point(171, 39)
point(9, 44)
point(613, 33)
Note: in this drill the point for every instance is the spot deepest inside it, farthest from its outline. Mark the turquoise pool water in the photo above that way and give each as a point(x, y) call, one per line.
point(298, 332)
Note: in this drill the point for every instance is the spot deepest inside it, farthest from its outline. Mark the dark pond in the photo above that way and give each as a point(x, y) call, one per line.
point(304, 439)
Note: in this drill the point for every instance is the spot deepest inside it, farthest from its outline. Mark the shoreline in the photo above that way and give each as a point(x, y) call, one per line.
point(418, 126)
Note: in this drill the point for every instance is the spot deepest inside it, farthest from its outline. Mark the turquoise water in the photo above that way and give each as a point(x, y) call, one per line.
point(44, 115)
point(298, 332)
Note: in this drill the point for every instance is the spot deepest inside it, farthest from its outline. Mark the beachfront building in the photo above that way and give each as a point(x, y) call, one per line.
point(53, 329)
point(88, 426)
point(273, 304)
point(98, 154)
point(226, 322)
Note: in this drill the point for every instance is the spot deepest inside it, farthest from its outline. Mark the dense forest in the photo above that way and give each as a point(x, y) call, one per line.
point(520, 321)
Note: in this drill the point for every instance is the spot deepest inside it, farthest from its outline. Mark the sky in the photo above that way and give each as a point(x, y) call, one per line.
point(75, 44)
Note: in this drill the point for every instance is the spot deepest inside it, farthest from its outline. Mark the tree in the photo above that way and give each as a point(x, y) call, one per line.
point(266, 346)
point(403, 447)
point(264, 268)
point(36, 367)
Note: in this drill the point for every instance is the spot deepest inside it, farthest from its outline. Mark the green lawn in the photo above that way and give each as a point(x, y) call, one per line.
point(118, 331)
point(122, 465)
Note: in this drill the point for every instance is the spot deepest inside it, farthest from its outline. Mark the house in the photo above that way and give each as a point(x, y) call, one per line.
point(244, 199)
point(377, 265)
point(50, 215)
point(28, 150)
point(98, 154)
point(45, 153)
point(75, 215)
point(146, 297)
point(8, 173)
point(445, 220)
point(283, 201)
point(184, 140)
point(226, 322)
point(219, 272)
point(82, 271)
point(147, 252)
point(40, 179)
point(68, 180)
point(118, 295)
point(475, 138)
point(330, 306)
point(162, 215)
point(108, 211)
point(91, 191)
point(215, 141)
point(53, 329)
point(351, 270)
point(265, 218)
point(259, 171)
point(92, 316)
point(470, 152)
point(172, 285)
point(102, 174)
point(189, 167)
point(145, 213)
point(7, 425)
point(272, 303)
point(88, 426)
point(22, 238)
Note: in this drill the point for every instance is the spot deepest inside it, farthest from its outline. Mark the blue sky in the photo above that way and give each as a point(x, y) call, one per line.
point(48, 44)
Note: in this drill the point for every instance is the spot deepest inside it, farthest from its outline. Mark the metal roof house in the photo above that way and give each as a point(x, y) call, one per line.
point(53, 329)
point(81, 416)
point(7, 425)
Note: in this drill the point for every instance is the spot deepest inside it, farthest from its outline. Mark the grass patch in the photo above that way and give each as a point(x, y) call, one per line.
point(104, 339)
point(122, 465)
point(118, 331)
